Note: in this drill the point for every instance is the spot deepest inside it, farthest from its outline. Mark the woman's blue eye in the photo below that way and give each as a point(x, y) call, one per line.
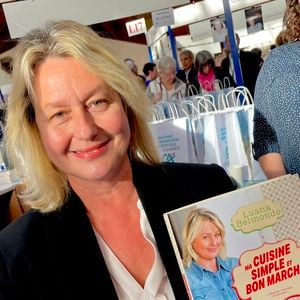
point(98, 104)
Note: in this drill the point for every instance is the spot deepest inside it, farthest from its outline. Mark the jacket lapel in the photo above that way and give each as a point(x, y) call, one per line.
point(76, 239)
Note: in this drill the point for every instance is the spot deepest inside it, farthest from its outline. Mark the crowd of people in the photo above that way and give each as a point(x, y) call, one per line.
point(199, 73)
point(76, 131)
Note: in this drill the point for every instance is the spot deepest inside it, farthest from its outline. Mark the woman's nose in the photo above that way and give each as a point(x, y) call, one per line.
point(84, 126)
point(214, 240)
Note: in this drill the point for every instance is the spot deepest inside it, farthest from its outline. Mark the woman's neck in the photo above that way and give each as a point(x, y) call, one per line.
point(210, 265)
point(116, 187)
point(168, 85)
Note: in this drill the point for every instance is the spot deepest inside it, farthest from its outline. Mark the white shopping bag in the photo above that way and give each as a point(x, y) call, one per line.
point(215, 139)
point(242, 102)
point(169, 109)
point(198, 138)
point(238, 96)
point(236, 146)
point(174, 140)
point(208, 131)
point(189, 109)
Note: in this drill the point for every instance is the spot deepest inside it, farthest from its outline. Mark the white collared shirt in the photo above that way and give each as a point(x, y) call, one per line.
point(157, 285)
point(186, 72)
point(231, 66)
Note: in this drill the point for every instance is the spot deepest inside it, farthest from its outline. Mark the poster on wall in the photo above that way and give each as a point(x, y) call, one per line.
point(218, 29)
point(248, 241)
point(254, 19)
point(161, 48)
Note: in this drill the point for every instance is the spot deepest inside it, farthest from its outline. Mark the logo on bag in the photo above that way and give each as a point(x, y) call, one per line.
point(169, 157)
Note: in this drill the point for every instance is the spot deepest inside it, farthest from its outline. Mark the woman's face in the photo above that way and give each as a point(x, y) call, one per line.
point(208, 242)
point(218, 26)
point(206, 68)
point(81, 120)
point(168, 76)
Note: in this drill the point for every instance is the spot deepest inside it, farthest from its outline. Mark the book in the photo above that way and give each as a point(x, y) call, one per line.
point(262, 230)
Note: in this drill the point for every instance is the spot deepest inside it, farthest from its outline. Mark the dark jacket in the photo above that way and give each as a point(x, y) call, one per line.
point(225, 78)
point(250, 65)
point(56, 255)
point(192, 79)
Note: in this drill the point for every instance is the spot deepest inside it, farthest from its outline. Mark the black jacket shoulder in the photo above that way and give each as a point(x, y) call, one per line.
point(182, 183)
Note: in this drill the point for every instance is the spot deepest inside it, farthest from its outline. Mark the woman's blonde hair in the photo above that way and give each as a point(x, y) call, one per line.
point(291, 21)
point(46, 187)
point(193, 225)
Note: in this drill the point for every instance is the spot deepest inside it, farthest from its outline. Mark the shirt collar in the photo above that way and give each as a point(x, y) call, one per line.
point(221, 263)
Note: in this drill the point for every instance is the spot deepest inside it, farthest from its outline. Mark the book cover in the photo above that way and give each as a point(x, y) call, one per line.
point(260, 226)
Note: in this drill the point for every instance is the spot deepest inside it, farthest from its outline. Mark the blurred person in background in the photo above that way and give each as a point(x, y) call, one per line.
point(188, 73)
point(134, 69)
point(150, 71)
point(209, 75)
point(250, 64)
point(277, 102)
point(168, 87)
point(258, 52)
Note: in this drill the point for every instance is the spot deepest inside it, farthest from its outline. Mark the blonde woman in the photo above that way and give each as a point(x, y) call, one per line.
point(204, 256)
point(77, 134)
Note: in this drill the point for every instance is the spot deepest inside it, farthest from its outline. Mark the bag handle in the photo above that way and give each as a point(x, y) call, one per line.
point(188, 103)
point(248, 99)
point(191, 90)
point(231, 95)
point(226, 82)
point(171, 109)
point(204, 101)
point(218, 85)
point(157, 113)
point(240, 92)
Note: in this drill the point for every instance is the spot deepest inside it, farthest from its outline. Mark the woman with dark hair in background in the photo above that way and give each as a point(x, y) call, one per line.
point(209, 75)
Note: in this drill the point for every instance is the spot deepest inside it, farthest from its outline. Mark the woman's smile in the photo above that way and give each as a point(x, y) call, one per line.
point(93, 151)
